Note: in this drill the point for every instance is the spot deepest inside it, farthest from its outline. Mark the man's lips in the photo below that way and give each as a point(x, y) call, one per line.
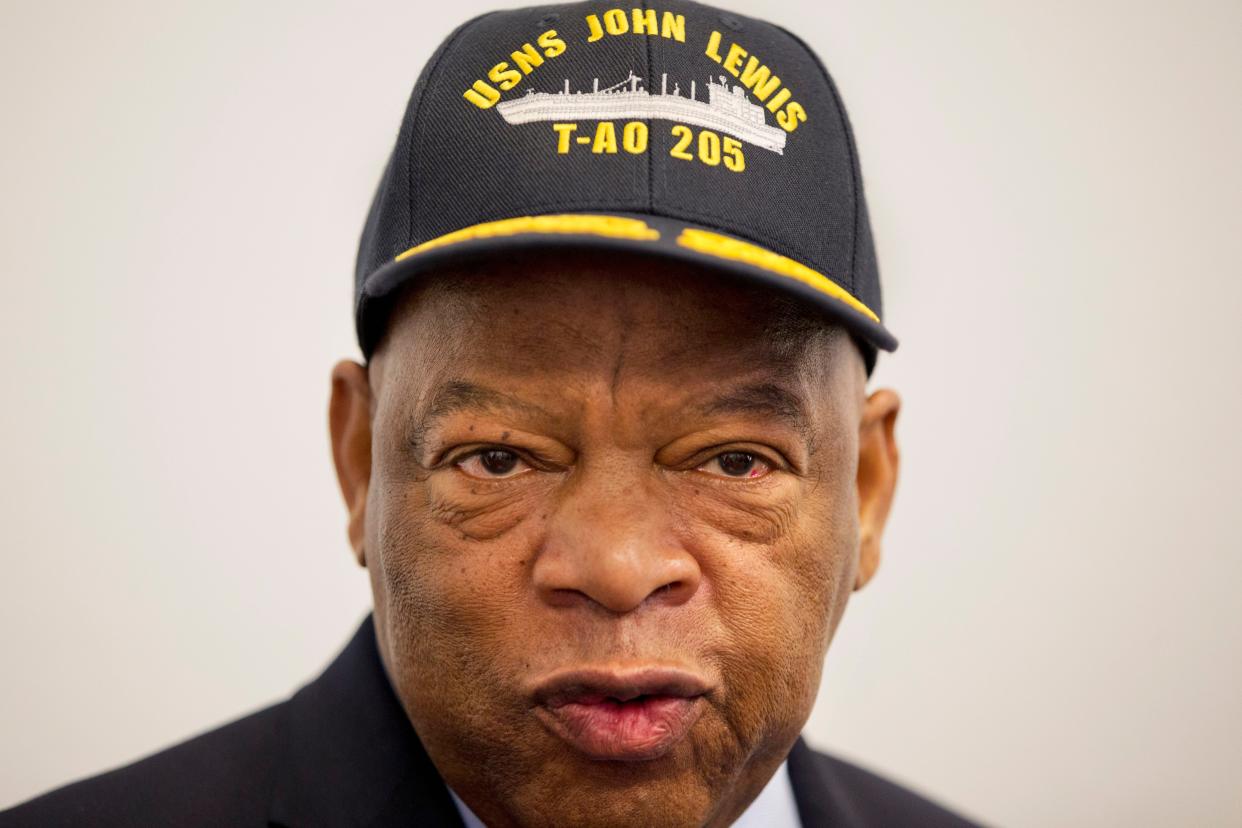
point(627, 715)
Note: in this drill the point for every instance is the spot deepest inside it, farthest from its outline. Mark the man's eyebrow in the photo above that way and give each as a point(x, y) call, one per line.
point(765, 399)
point(458, 395)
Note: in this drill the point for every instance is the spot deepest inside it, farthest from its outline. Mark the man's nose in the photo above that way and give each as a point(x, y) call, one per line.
point(614, 548)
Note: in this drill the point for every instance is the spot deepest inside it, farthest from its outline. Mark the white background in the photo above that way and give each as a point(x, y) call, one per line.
point(1054, 636)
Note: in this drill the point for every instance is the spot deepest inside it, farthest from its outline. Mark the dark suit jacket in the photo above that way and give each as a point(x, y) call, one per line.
point(341, 752)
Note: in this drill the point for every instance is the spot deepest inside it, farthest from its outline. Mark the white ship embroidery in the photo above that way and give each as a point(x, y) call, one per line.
point(727, 109)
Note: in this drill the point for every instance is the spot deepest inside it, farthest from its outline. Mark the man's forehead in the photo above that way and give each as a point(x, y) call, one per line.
point(580, 313)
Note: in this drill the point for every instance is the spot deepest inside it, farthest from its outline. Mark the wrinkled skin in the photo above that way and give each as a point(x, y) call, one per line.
point(615, 531)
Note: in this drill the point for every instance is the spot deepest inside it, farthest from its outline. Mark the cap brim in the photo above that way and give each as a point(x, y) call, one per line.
point(642, 234)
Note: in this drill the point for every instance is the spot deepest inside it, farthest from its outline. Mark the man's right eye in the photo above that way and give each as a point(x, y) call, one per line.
point(492, 464)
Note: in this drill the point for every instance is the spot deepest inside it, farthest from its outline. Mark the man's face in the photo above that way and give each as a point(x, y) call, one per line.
point(611, 514)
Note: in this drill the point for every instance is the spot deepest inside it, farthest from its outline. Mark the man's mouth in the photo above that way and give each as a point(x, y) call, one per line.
point(628, 715)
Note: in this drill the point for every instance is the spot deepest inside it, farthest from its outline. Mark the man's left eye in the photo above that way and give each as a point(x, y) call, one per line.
point(738, 464)
point(493, 464)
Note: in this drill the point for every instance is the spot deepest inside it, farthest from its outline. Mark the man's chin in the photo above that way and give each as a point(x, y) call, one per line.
point(575, 790)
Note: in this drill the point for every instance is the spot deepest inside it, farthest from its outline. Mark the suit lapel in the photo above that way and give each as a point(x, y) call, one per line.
point(822, 800)
point(350, 756)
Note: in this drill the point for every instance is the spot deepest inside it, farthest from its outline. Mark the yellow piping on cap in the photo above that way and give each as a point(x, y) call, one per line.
point(736, 250)
point(612, 227)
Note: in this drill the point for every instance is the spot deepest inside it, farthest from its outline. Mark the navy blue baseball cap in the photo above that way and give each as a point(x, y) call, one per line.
point(676, 130)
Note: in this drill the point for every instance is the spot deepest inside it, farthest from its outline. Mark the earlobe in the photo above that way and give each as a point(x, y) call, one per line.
point(349, 425)
point(877, 478)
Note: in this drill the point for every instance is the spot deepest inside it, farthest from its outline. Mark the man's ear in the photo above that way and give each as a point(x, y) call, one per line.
point(349, 422)
point(877, 477)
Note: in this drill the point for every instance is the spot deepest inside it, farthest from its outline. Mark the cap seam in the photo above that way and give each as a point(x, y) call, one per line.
point(417, 139)
point(413, 135)
point(650, 152)
point(855, 184)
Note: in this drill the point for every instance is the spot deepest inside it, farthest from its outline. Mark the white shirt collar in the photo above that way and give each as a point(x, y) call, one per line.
point(774, 807)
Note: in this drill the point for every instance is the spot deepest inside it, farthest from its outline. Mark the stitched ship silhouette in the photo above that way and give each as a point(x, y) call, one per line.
point(727, 109)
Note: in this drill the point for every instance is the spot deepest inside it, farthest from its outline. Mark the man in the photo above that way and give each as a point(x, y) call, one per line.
point(611, 463)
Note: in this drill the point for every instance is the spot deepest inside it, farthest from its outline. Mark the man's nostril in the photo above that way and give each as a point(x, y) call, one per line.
point(668, 589)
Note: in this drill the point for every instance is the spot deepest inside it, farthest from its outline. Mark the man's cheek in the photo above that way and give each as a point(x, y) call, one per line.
point(429, 573)
point(451, 606)
point(778, 603)
point(765, 659)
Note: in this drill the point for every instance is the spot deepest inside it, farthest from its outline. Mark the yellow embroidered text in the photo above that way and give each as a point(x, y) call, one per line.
point(712, 149)
point(634, 137)
point(640, 22)
point(758, 78)
point(509, 73)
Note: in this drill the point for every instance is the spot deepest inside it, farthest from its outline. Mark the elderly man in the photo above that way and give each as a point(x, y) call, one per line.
point(611, 463)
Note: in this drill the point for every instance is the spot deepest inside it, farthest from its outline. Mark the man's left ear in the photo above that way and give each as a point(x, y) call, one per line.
point(877, 477)
point(349, 424)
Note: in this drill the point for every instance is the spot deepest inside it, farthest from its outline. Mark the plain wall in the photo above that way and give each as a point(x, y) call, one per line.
point(1054, 636)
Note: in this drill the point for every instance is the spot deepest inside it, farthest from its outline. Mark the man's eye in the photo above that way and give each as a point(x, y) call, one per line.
point(741, 464)
point(492, 464)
